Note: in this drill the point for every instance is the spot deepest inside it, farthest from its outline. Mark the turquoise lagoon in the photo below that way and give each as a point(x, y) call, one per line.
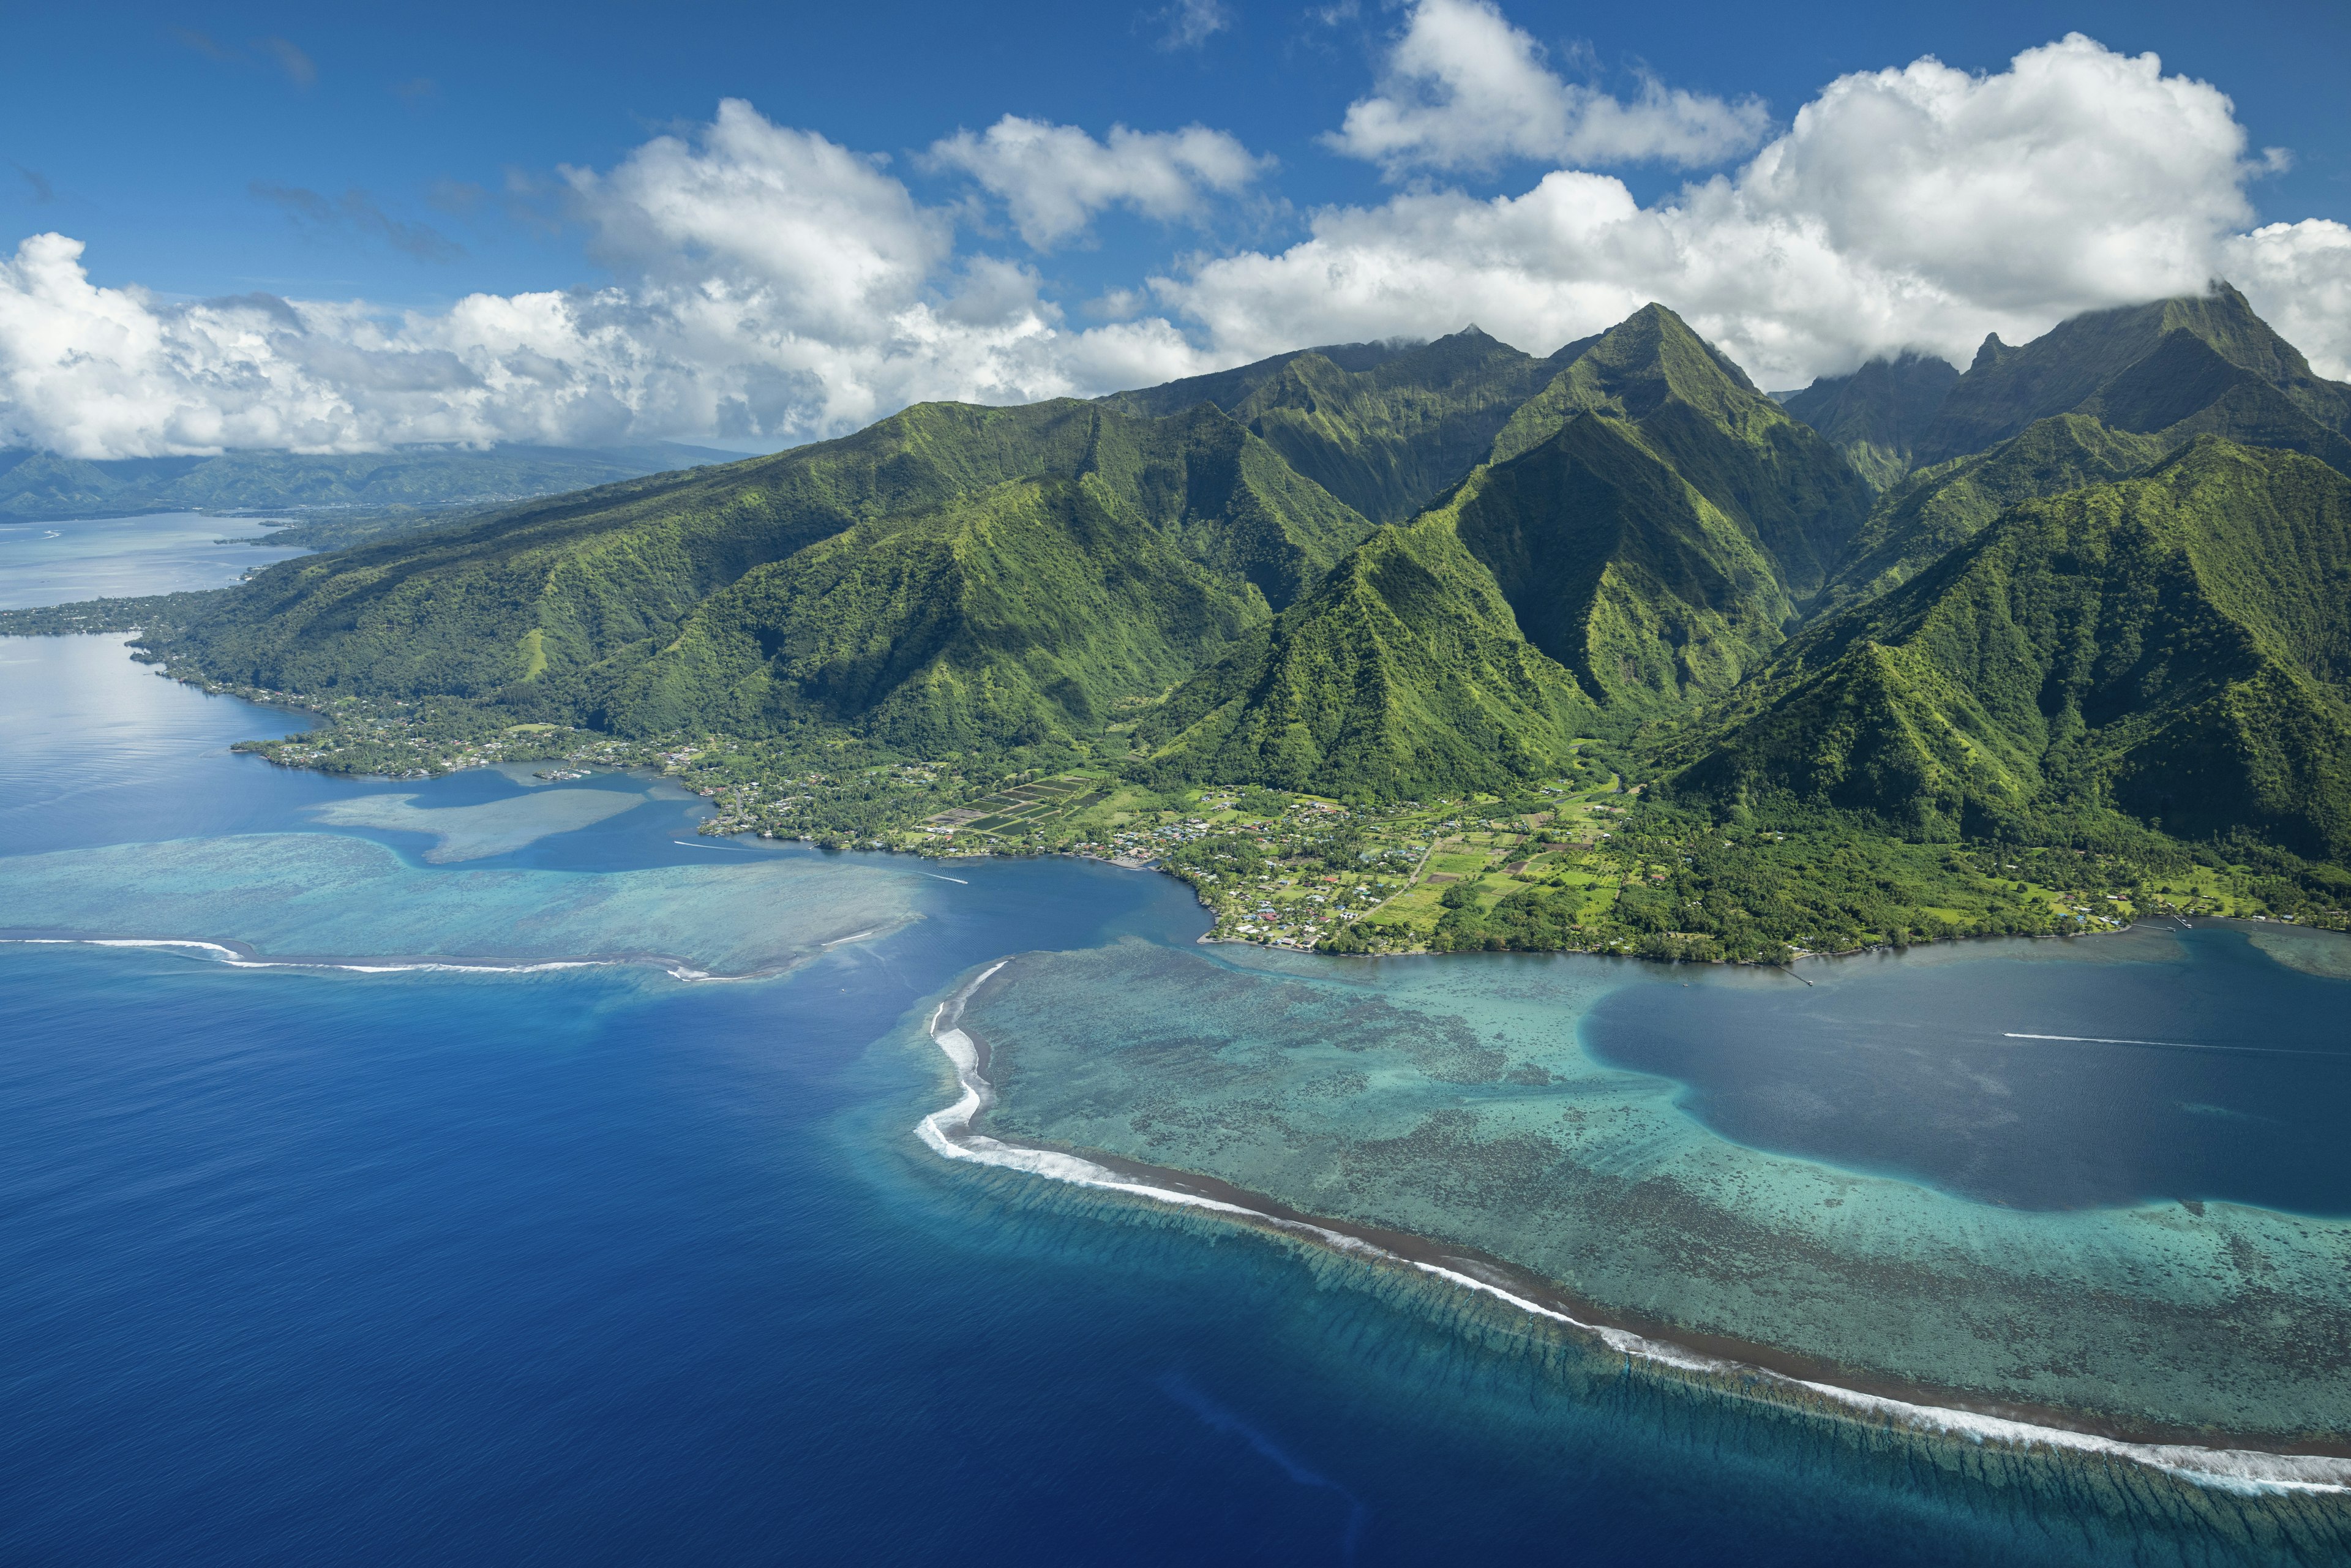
point(320, 899)
point(361, 1225)
point(1462, 1104)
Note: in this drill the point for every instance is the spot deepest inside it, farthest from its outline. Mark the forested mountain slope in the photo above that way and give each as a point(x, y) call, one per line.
point(2174, 647)
point(2131, 386)
point(1936, 509)
point(1696, 411)
point(965, 547)
point(1387, 431)
point(1877, 415)
point(1403, 673)
point(1387, 569)
point(1585, 538)
point(1025, 612)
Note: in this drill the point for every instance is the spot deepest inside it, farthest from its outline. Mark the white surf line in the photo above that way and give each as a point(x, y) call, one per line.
point(957, 881)
point(229, 957)
point(731, 849)
point(852, 937)
point(227, 953)
point(2250, 1470)
point(2168, 1044)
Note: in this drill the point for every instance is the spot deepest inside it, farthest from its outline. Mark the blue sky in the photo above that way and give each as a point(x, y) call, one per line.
point(401, 158)
point(150, 146)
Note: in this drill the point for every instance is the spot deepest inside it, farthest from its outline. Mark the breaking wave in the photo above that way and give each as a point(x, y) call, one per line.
point(239, 957)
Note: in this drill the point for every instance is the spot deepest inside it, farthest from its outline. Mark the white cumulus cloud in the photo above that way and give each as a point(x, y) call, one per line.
point(1463, 89)
point(1053, 179)
point(2298, 275)
point(1915, 207)
point(778, 286)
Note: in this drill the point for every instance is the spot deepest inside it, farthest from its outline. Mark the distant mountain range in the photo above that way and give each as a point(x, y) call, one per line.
point(2105, 572)
point(38, 488)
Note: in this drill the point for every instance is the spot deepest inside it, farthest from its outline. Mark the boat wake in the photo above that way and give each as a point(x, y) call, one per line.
point(2166, 1044)
point(948, 1133)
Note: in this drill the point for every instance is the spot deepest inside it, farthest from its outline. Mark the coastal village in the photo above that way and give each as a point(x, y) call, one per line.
point(1583, 861)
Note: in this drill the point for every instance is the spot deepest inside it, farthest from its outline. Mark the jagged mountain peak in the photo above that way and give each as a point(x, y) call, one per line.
point(1989, 351)
point(1695, 410)
point(1629, 371)
point(2069, 367)
point(1655, 339)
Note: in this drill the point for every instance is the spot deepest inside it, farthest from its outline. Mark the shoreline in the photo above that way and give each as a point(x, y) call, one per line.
point(2200, 1457)
point(1209, 939)
point(308, 705)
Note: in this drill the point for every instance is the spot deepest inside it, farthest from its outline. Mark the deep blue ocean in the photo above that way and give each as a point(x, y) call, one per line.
point(309, 1267)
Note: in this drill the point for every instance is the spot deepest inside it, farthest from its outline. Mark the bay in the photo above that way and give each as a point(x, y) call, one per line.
point(2174, 1062)
point(111, 557)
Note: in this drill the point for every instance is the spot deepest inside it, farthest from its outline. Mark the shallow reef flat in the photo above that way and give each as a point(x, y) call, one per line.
point(480, 831)
point(1454, 1101)
point(2323, 953)
point(330, 896)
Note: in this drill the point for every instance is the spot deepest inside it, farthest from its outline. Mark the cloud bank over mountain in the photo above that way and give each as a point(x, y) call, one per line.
point(771, 285)
point(1913, 208)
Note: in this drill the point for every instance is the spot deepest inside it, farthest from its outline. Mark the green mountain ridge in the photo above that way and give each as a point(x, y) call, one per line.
point(2132, 386)
point(1936, 509)
point(1025, 614)
point(1386, 429)
point(2174, 647)
point(2138, 368)
point(1697, 412)
point(1402, 674)
point(779, 590)
point(1635, 587)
